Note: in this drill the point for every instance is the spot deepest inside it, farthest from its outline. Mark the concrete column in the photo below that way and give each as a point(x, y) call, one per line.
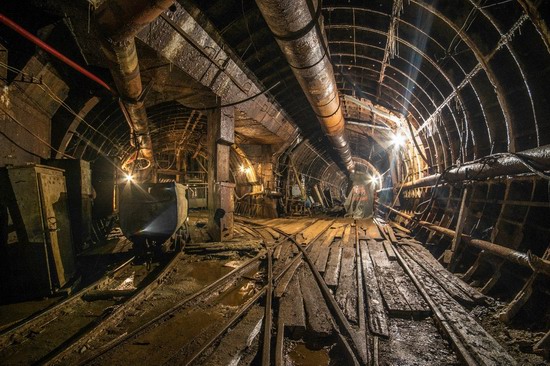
point(220, 136)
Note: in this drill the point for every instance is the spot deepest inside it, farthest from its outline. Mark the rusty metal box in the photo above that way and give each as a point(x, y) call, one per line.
point(40, 257)
point(80, 195)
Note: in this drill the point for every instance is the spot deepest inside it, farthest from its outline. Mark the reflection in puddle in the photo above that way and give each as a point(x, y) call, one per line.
point(239, 294)
point(301, 355)
point(206, 272)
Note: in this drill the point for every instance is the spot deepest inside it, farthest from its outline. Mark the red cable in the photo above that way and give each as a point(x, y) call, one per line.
point(46, 47)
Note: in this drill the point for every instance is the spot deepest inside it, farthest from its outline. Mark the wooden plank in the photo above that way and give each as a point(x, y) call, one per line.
point(395, 301)
point(543, 346)
point(292, 310)
point(483, 349)
point(249, 231)
point(285, 280)
point(378, 321)
point(277, 252)
point(371, 229)
point(462, 214)
point(241, 337)
point(314, 250)
point(346, 293)
point(312, 231)
point(346, 237)
point(333, 266)
point(391, 234)
point(318, 317)
point(410, 293)
point(460, 290)
point(522, 297)
point(361, 232)
point(294, 226)
point(340, 231)
point(321, 262)
point(286, 250)
point(389, 250)
point(279, 342)
point(274, 234)
point(402, 232)
point(329, 238)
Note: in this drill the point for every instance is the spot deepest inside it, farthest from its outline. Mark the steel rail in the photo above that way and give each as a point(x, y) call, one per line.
point(440, 319)
point(43, 317)
point(347, 333)
point(266, 290)
point(100, 324)
point(219, 283)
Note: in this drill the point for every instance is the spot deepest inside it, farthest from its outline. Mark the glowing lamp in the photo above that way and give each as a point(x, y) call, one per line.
point(398, 140)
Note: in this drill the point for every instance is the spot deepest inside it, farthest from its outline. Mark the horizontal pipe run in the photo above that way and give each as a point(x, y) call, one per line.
point(529, 260)
point(490, 167)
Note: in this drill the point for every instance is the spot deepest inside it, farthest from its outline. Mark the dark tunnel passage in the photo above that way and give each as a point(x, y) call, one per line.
point(406, 142)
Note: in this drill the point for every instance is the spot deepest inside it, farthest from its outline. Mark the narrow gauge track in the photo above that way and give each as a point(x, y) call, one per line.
point(241, 318)
point(24, 327)
point(472, 343)
point(431, 313)
point(50, 334)
point(352, 342)
point(211, 312)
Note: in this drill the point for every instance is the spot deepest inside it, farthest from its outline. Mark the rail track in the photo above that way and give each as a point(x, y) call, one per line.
point(340, 292)
point(234, 296)
point(47, 336)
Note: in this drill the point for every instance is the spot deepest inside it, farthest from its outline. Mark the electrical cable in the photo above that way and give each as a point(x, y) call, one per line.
point(486, 160)
point(52, 94)
point(19, 146)
point(34, 135)
point(428, 202)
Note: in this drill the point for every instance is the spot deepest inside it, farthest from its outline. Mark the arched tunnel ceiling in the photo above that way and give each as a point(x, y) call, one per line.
point(467, 73)
point(470, 75)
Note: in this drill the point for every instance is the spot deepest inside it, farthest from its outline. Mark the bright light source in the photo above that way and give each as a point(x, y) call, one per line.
point(129, 178)
point(398, 140)
point(245, 170)
point(374, 179)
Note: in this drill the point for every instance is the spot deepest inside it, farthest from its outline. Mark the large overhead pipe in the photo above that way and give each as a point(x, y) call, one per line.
point(297, 27)
point(119, 22)
point(491, 166)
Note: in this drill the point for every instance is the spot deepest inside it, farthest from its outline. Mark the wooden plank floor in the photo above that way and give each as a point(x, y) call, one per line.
point(393, 307)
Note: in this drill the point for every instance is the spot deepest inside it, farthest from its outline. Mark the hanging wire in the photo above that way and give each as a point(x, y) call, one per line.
point(34, 135)
point(52, 94)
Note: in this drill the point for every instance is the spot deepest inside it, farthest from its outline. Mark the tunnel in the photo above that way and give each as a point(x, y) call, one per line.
point(275, 182)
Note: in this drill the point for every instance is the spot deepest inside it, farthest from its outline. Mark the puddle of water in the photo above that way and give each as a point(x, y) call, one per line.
point(206, 272)
point(301, 355)
point(239, 294)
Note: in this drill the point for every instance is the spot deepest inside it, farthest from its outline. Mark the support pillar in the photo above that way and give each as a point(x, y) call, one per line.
point(220, 137)
point(456, 248)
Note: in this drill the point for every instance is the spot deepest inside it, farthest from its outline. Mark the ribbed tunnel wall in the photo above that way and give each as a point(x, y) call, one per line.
point(471, 79)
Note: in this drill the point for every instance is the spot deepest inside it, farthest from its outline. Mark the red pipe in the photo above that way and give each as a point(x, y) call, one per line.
point(46, 47)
